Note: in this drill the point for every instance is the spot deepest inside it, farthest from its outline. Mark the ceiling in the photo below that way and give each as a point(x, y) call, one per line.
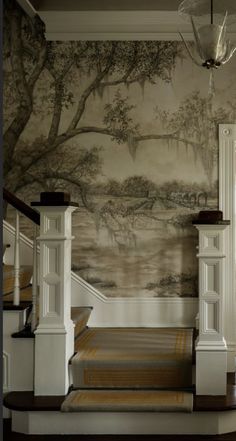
point(110, 19)
point(105, 5)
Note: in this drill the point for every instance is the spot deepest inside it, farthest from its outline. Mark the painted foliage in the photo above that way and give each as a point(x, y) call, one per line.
point(129, 129)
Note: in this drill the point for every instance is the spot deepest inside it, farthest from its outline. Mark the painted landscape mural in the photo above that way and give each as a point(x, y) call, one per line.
point(130, 130)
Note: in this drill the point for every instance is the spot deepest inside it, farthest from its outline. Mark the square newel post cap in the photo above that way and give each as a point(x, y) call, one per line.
point(54, 199)
point(210, 217)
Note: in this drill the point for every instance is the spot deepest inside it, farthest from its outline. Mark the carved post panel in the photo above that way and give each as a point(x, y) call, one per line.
point(54, 336)
point(211, 349)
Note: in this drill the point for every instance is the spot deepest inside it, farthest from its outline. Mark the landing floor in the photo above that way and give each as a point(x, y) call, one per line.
point(24, 401)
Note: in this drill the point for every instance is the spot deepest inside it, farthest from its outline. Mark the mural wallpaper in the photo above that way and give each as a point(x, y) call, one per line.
point(129, 129)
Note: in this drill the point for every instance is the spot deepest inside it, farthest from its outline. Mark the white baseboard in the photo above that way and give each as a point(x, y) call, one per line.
point(231, 357)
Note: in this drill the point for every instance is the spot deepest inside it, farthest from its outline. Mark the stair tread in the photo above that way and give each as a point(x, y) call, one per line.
point(25, 295)
point(10, 268)
point(25, 276)
point(133, 343)
point(133, 358)
point(128, 400)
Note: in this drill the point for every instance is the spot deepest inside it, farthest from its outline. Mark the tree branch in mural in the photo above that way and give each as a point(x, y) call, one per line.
point(76, 120)
point(60, 172)
point(103, 64)
point(18, 29)
point(196, 124)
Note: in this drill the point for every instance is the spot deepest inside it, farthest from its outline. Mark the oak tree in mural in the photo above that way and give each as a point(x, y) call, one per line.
point(197, 121)
point(106, 64)
point(134, 230)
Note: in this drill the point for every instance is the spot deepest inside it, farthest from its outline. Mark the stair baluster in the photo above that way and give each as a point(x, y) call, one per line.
point(16, 294)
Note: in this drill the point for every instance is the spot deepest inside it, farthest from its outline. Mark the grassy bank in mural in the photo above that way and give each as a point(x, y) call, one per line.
point(125, 128)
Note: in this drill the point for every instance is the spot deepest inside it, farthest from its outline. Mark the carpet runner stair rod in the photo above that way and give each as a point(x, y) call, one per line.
point(132, 369)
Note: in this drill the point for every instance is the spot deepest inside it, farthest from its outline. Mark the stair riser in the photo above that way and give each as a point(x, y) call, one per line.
point(124, 377)
point(121, 423)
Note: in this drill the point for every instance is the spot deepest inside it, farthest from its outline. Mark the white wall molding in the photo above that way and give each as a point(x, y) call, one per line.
point(133, 312)
point(155, 311)
point(117, 36)
point(227, 203)
point(10, 229)
point(6, 371)
point(115, 25)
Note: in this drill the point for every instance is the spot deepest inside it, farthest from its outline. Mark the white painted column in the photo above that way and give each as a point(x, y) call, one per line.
point(227, 203)
point(211, 349)
point(54, 336)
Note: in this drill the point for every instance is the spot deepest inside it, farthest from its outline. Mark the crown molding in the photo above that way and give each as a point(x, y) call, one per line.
point(63, 24)
point(116, 25)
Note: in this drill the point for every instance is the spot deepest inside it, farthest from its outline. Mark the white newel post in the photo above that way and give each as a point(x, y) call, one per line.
point(211, 349)
point(54, 336)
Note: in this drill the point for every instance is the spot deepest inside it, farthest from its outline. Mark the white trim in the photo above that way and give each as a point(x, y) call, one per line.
point(130, 312)
point(120, 423)
point(117, 36)
point(133, 312)
point(24, 239)
point(6, 371)
point(227, 195)
point(120, 36)
point(116, 25)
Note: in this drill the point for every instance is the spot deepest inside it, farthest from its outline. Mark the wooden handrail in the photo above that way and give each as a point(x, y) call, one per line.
point(19, 205)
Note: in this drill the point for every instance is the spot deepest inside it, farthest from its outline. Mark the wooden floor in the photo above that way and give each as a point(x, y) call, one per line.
point(24, 401)
point(11, 436)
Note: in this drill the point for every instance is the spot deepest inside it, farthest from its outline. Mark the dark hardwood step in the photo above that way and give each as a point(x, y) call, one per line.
point(8, 305)
point(25, 401)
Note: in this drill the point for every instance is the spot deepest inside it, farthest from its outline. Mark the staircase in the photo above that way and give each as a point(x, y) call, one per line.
point(128, 369)
point(137, 375)
point(118, 369)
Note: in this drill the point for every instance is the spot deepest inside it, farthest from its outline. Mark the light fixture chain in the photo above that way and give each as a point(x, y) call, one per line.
point(211, 11)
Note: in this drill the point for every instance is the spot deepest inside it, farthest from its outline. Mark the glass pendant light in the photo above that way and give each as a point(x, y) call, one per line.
point(210, 20)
